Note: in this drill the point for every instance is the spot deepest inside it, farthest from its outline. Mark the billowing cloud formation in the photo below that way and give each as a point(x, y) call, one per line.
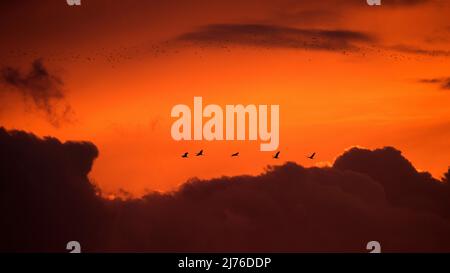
point(275, 36)
point(403, 185)
point(47, 200)
point(443, 83)
point(45, 194)
point(43, 88)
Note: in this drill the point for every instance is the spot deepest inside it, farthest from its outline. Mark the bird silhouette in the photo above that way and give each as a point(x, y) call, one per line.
point(276, 155)
point(235, 154)
point(199, 153)
point(185, 155)
point(311, 156)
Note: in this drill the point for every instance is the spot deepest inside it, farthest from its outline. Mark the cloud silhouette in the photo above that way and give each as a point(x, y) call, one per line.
point(420, 51)
point(43, 88)
point(443, 83)
point(446, 177)
point(278, 36)
point(48, 200)
point(46, 196)
point(403, 184)
point(275, 36)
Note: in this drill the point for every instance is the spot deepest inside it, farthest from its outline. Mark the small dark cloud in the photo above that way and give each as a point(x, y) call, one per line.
point(275, 36)
point(43, 88)
point(443, 83)
point(446, 84)
point(420, 51)
point(47, 200)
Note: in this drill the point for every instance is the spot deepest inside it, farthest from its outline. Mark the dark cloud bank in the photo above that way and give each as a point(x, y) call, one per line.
point(46, 200)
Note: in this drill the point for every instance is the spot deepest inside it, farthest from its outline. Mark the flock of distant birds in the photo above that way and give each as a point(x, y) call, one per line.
point(236, 154)
point(120, 54)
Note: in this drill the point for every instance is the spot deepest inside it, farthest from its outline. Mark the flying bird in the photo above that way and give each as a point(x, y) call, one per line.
point(185, 155)
point(276, 155)
point(235, 154)
point(311, 156)
point(199, 153)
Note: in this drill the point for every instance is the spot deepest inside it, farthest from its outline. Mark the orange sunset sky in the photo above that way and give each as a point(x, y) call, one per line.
point(344, 74)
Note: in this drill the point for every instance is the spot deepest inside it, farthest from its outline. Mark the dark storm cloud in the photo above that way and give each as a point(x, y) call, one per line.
point(443, 83)
point(45, 194)
point(47, 200)
point(275, 36)
point(43, 88)
point(403, 184)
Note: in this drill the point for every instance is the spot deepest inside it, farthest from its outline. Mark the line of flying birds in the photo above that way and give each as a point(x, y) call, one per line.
point(275, 156)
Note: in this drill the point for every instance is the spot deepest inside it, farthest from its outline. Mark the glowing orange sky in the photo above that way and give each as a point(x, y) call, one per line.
point(329, 100)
